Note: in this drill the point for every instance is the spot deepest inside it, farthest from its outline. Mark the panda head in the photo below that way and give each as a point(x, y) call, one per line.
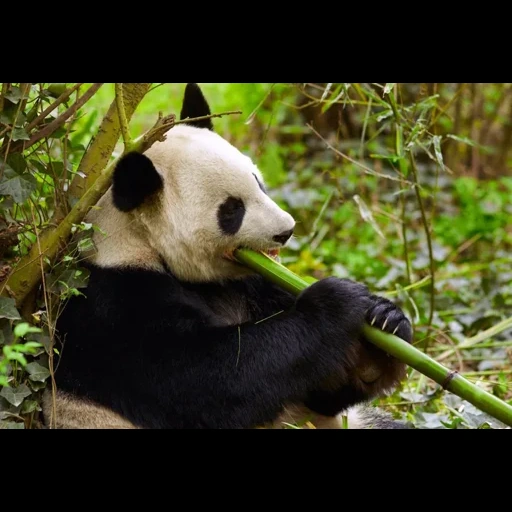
point(187, 203)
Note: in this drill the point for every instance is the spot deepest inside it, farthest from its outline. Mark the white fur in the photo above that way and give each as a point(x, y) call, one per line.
point(69, 412)
point(200, 171)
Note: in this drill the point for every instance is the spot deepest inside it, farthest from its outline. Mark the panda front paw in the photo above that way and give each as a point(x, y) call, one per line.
point(376, 369)
point(387, 316)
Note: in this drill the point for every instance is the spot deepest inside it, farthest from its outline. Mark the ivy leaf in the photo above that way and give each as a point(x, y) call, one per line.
point(17, 163)
point(8, 309)
point(12, 425)
point(39, 166)
point(30, 406)
point(37, 372)
point(13, 95)
point(19, 187)
point(6, 334)
point(20, 134)
point(12, 116)
point(15, 396)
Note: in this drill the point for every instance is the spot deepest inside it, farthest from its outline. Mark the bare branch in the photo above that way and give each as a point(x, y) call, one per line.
point(121, 113)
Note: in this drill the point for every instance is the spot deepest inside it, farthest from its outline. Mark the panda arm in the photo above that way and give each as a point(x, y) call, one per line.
point(327, 399)
point(379, 371)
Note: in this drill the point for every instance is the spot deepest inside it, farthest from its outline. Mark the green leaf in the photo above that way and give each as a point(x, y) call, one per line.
point(388, 88)
point(37, 386)
point(20, 134)
point(366, 215)
point(13, 355)
point(19, 187)
point(24, 328)
point(85, 244)
point(30, 406)
point(15, 396)
point(59, 133)
point(13, 94)
point(28, 348)
point(464, 140)
point(56, 89)
point(40, 166)
point(17, 163)
point(12, 116)
point(37, 372)
point(6, 334)
point(8, 309)
point(11, 425)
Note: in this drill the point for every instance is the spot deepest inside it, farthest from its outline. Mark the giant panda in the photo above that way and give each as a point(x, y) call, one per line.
point(171, 332)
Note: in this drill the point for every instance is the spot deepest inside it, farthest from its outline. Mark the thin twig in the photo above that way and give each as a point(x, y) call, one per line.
point(202, 118)
point(50, 327)
point(429, 240)
point(355, 162)
point(24, 91)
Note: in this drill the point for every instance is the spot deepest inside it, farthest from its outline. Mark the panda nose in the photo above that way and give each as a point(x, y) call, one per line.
point(283, 237)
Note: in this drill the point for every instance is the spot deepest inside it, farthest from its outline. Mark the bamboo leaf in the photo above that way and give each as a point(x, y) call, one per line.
point(437, 150)
point(388, 88)
point(367, 215)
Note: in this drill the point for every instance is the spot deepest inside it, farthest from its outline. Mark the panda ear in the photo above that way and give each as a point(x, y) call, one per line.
point(195, 105)
point(135, 178)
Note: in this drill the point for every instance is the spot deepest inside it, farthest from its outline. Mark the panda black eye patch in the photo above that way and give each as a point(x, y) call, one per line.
point(230, 215)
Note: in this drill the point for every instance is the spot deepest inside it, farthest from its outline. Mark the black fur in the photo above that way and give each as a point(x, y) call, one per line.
point(154, 349)
point(230, 215)
point(262, 187)
point(135, 178)
point(195, 105)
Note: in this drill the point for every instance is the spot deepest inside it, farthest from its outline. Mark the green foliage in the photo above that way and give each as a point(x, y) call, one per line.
point(21, 382)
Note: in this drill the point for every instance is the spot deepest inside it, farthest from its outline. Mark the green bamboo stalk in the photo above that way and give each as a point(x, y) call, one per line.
point(410, 355)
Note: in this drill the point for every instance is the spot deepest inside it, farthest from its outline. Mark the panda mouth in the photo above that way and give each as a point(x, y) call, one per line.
point(273, 253)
